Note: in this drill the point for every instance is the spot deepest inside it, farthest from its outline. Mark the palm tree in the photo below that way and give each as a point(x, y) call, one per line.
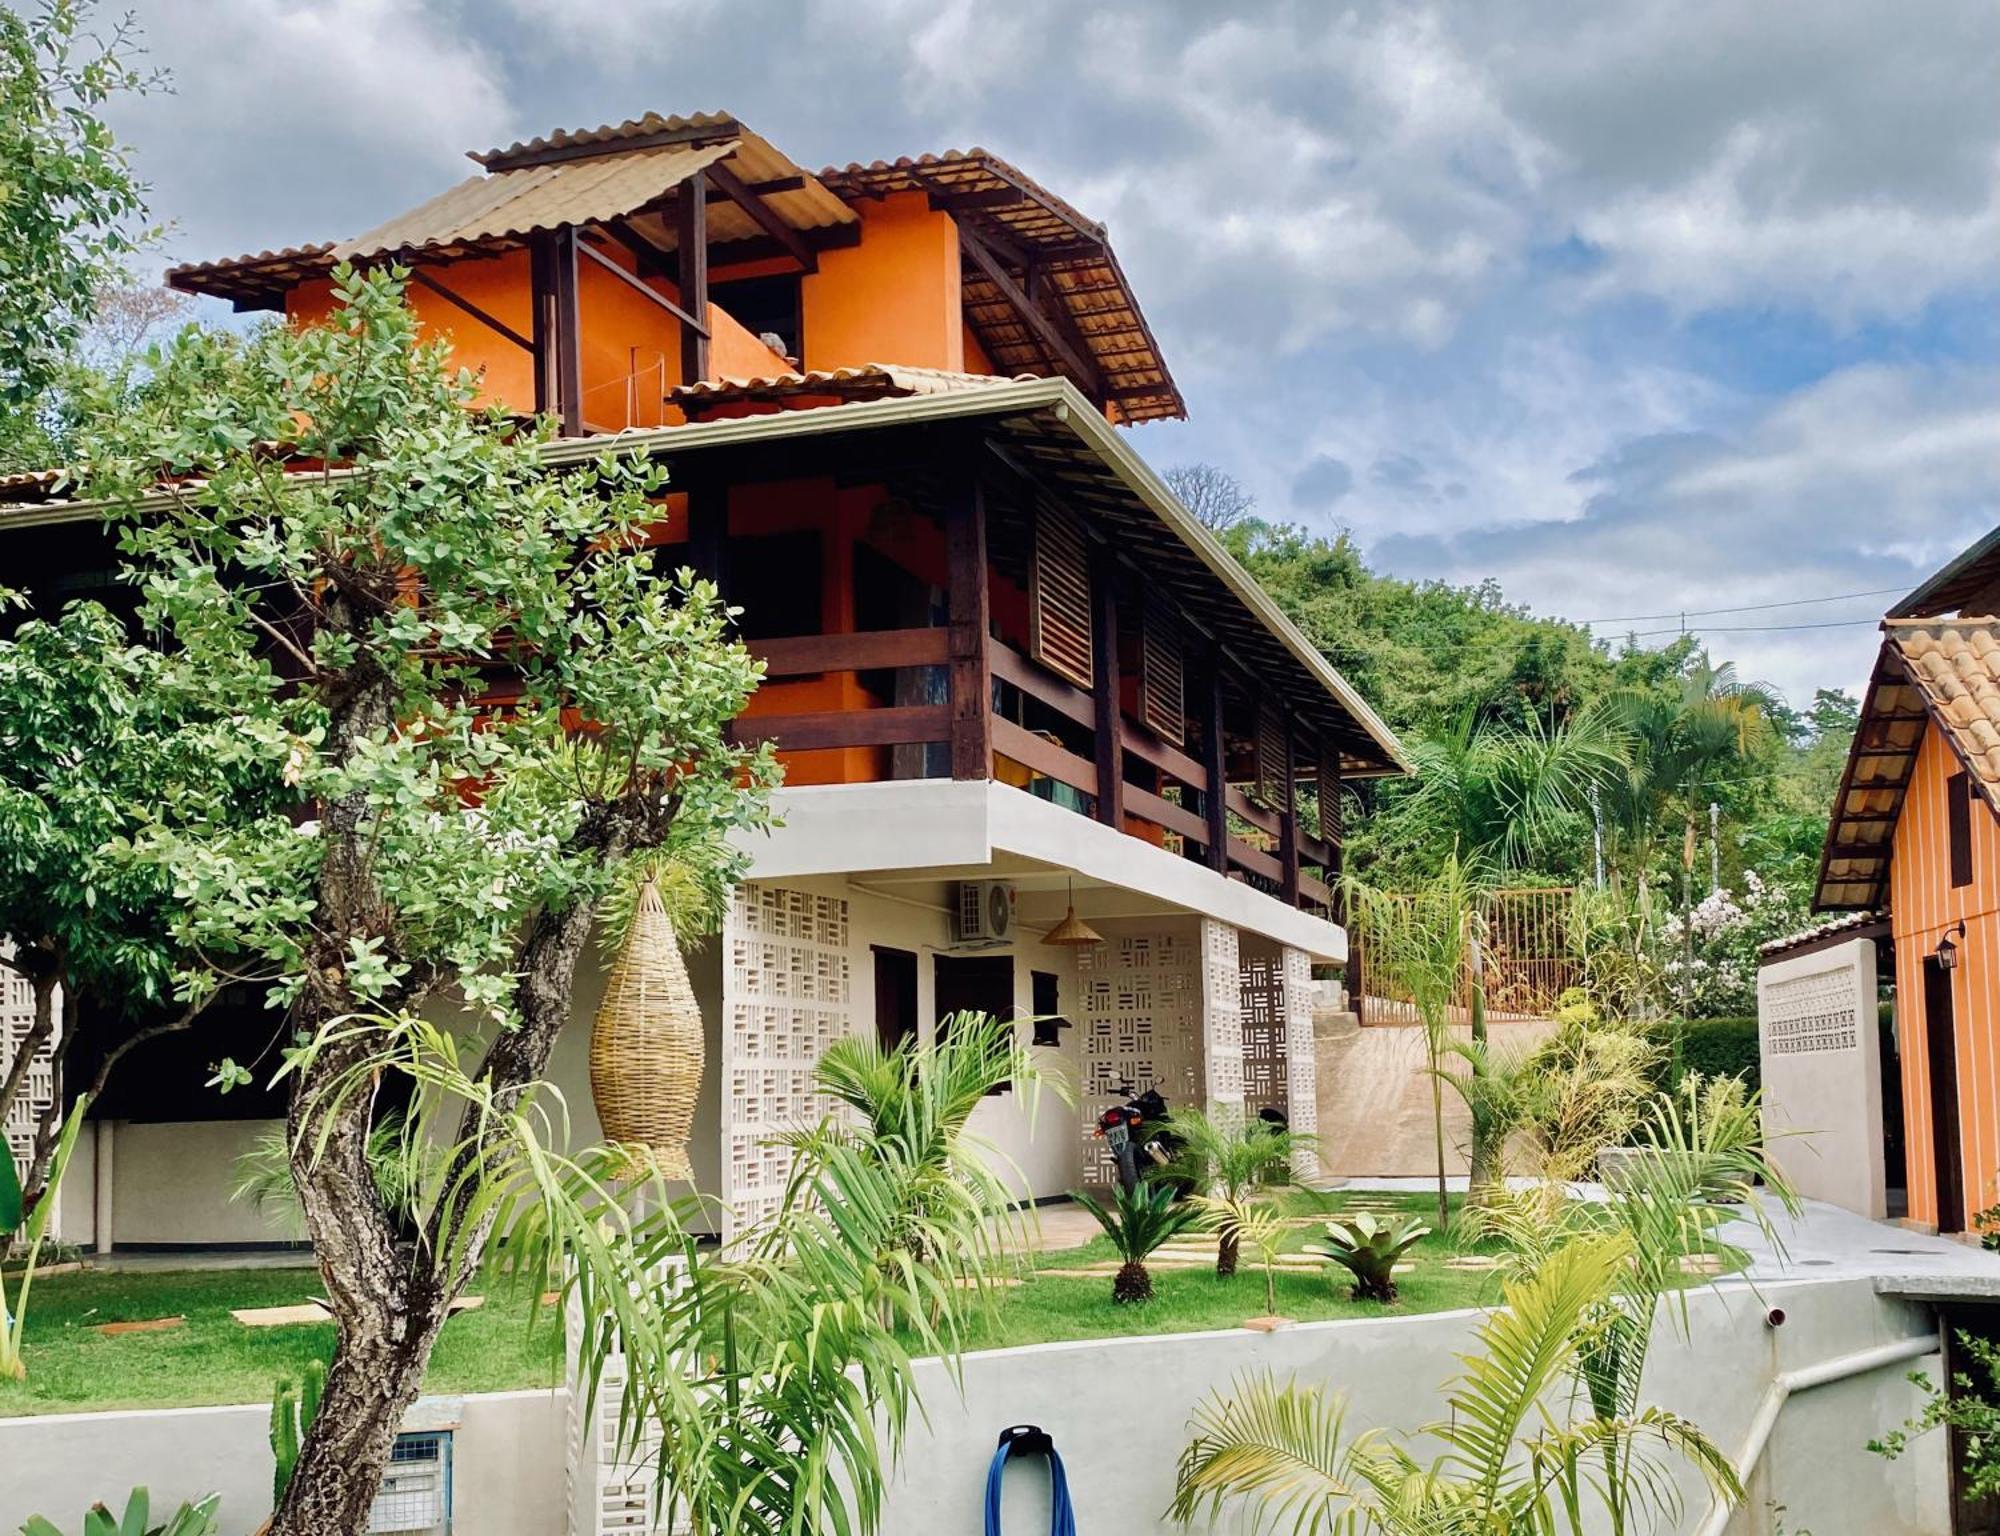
point(1139, 1221)
point(1419, 942)
point(1513, 1458)
point(1502, 791)
point(1231, 1158)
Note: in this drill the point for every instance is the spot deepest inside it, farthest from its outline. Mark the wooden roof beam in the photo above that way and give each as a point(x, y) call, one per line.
point(763, 215)
point(1053, 337)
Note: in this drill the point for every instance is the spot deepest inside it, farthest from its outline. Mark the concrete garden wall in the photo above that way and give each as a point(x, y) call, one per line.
point(1118, 1411)
point(507, 1463)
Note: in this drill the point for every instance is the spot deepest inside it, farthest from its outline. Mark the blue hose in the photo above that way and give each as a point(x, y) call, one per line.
point(1062, 1518)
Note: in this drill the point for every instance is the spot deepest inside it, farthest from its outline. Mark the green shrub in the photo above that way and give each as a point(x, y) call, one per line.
point(1721, 1048)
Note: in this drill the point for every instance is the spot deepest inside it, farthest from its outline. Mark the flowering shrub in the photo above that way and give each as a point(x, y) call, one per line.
point(1708, 957)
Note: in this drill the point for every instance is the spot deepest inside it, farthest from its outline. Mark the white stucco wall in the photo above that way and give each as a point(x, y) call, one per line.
point(507, 1463)
point(1118, 1411)
point(1820, 1050)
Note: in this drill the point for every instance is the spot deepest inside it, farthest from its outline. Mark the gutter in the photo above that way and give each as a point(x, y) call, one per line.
point(1784, 1384)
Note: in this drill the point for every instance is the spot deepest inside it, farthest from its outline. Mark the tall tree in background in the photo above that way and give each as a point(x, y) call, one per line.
point(1217, 498)
point(71, 209)
point(453, 853)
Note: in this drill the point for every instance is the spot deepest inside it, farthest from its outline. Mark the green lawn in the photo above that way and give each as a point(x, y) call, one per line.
point(1050, 1305)
point(215, 1359)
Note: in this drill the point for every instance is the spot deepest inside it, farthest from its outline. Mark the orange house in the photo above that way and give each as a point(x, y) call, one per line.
point(1915, 837)
point(1048, 750)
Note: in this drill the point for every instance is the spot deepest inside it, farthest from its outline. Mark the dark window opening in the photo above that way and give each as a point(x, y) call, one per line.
point(974, 984)
point(775, 579)
point(1046, 1000)
point(895, 996)
point(1958, 809)
point(765, 306)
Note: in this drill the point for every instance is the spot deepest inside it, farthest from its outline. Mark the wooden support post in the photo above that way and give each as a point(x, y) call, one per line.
point(1288, 824)
point(1215, 758)
point(1104, 687)
point(542, 317)
point(691, 232)
point(568, 335)
point(967, 601)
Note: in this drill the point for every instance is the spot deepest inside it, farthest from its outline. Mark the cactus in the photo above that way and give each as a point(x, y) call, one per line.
point(293, 1408)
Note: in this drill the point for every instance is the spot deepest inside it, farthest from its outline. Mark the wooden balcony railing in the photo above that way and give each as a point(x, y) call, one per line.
point(1182, 804)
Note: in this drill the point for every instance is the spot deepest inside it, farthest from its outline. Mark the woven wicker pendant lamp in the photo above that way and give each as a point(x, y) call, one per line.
point(646, 1043)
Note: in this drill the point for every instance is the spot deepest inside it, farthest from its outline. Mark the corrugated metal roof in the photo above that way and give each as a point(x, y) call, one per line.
point(511, 205)
point(721, 125)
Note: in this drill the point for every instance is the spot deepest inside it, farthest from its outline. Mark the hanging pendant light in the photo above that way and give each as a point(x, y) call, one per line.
point(647, 1045)
point(1072, 932)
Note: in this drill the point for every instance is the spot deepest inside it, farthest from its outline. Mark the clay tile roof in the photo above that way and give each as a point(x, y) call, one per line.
point(1956, 665)
point(1866, 922)
point(867, 381)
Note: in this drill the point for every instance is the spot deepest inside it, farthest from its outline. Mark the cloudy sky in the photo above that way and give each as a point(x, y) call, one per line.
point(1641, 307)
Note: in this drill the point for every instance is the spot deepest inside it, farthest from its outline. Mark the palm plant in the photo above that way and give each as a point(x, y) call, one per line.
point(30, 1227)
point(1231, 1157)
point(1254, 1224)
point(1138, 1221)
point(1420, 941)
point(1699, 1167)
point(1512, 1460)
point(1367, 1247)
point(1502, 791)
point(770, 1385)
point(916, 1099)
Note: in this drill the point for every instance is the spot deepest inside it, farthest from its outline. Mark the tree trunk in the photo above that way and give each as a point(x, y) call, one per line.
point(1131, 1283)
point(1228, 1244)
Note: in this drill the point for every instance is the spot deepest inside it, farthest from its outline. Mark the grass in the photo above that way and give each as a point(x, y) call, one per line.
point(1053, 1305)
point(215, 1359)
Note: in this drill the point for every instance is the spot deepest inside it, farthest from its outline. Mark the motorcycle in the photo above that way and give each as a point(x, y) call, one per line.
point(1136, 1134)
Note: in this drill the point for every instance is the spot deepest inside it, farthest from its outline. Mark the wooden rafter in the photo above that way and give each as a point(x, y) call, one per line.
point(763, 215)
point(1059, 339)
point(424, 280)
point(637, 285)
point(691, 238)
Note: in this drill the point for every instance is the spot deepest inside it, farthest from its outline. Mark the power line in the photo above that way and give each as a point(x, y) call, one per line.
point(1753, 629)
point(1702, 613)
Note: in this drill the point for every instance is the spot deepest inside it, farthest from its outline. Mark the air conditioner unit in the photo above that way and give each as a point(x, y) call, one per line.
point(985, 912)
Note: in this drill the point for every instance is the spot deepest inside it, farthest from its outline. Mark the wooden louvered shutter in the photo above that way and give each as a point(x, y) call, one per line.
point(1059, 634)
point(1162, 678)
point(1273, 786)
point(1329, 796)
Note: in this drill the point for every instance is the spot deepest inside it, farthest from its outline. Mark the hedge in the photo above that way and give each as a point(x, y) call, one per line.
point(1719, 1047)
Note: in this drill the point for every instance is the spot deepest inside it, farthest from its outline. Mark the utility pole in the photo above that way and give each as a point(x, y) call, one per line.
point(1714, 847)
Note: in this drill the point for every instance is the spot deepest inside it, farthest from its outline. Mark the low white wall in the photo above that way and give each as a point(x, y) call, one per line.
point(507, 1463)
point(1118, 1411)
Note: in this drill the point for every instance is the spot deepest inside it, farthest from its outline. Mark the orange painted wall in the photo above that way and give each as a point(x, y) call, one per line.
point(1923, 907)
point(631, 348)
point(894, 298)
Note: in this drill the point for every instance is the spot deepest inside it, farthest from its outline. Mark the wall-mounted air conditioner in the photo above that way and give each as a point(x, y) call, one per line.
point(985, 912)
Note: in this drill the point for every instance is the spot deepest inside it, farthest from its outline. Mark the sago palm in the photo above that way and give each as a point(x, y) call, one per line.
point(1138, 1221)
point(1231, 1158)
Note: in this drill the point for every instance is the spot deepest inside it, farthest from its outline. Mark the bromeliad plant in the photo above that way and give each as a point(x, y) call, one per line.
point(1368, 1247)
point(200, 1518)
point(30, 1227)
point(1518, 1457)
point(1138, 1221)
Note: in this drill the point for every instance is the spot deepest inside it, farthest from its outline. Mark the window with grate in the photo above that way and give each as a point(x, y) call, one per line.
point(1274, 789)
point(1162, 677)
point(1059, 634)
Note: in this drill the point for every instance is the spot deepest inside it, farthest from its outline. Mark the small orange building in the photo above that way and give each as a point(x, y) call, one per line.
point(1915, 836)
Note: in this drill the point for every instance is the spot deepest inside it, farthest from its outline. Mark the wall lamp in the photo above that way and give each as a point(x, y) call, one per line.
point(1947, 947)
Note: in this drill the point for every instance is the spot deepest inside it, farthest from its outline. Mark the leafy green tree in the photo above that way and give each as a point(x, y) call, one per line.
point(489, 701)
point(72, 210)
point(100, 740)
